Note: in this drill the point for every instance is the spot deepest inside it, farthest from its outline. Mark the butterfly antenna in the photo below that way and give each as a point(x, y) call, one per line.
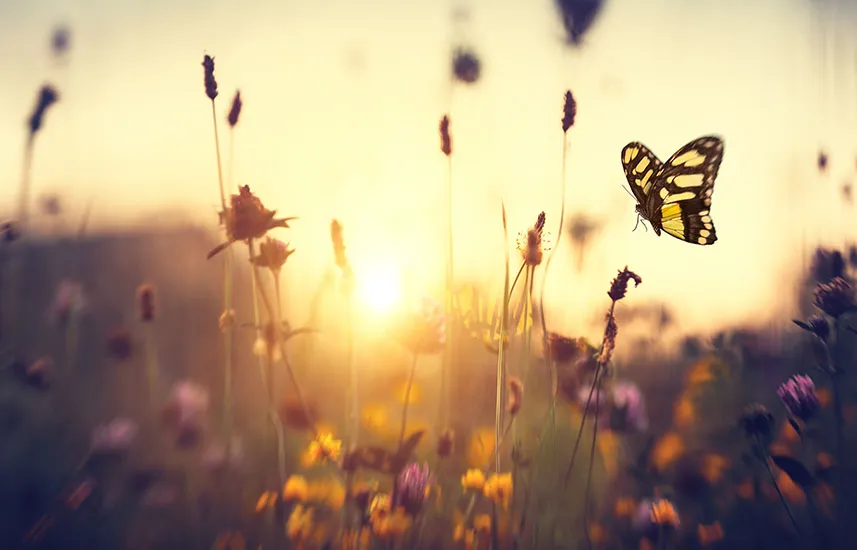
point(638, 222)
point(629, 192)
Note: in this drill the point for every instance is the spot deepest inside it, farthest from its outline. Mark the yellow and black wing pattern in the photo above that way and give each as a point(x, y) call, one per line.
point(675, 196)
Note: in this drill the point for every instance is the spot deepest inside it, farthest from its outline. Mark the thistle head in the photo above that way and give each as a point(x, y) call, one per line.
point(836, 297)
point(799, 397)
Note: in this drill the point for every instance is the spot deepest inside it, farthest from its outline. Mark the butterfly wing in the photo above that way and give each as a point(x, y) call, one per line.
point(641, 169)
point(687, 183)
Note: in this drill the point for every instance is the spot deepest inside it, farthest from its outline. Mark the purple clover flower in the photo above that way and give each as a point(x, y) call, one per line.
point(411, 487)
point(799, 397)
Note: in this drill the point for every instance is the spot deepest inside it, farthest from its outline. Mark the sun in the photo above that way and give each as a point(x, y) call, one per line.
point(379, 287)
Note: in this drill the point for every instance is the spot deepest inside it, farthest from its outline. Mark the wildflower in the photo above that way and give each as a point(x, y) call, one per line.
point(392, 525)
point(498, 488)
point(69, 301)
point(116, 437)
point(273, 254)
point(757, 422)
point(300, 524)
point(655, 518)
point(822, 161)
point(836, 297)
point(516, 395)
point(247, 218)
point(619, 286)
point(531, 245)
point(328, 492)
point(709, 533)
point(412, 487)
point(577, 17)
point(625, 507)
point(445, 138)
point(628, 411)
point(324, 448)
point(481, 447)
point(446, 443)
point(569, 111)
point(473, 480)
point(60, 40)
point(667, 450)
point(119, 344)
point(798, 396)
point(219, 457)
point(817, 324)
point(146, 303)
point(185, 411)
point(295, 489)
point(210, 82)
point(235, 110)
point(423, 331)
point(231, 540)
point(47, 97)
point(466, 67)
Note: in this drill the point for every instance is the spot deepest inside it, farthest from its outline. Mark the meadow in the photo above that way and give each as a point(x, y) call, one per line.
point(157, 392)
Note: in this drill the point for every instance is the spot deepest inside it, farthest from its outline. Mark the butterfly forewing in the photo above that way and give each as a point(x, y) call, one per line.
point(686, 185)
point(641, 169)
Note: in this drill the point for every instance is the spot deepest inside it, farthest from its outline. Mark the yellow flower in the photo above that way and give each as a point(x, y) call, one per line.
point(709, 534)
point(324, 448)
point(714, 468)
point(379, 508)
point(664, 513)
point(392, 525)
point(668, 449)
point(473, 480)
point(233, 540)
point(295, 489)
point(357, 540)
point(498, 488)
point(300, 525)
point(329, 492)
point(267, 500)
point(482, 523)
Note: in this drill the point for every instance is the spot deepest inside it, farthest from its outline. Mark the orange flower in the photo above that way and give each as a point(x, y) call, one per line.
point(684, 412)
point(714, 467)
point(709, 534)
point(625, 507)
point(824, 397)
point(746, 489)
point(668, 449)
point(790, 489)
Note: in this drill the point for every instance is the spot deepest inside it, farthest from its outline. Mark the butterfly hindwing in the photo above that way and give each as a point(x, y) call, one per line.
point(687, 180)
point(641, 169)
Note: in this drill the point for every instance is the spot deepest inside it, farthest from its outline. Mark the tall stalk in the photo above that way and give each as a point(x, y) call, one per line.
point(448, 348)
point(501, 353)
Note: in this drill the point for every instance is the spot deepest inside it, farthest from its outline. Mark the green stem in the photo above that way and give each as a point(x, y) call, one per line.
point(407, 399)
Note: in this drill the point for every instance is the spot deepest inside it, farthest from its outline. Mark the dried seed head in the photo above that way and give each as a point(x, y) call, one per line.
point(210, 82)
point(47, 97)
point(516, 395)
point(757, 421)
point(836, 297)
point(445, 138)
point(619, 286)
point(569, 111)
point(235, 110)
point(273, 254)
point(146, 302)
point(610, 333)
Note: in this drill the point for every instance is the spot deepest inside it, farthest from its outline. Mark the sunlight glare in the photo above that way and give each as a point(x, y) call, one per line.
point(379, 287)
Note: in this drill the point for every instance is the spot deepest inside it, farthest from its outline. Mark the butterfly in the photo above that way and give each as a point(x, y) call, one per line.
point(675, 196)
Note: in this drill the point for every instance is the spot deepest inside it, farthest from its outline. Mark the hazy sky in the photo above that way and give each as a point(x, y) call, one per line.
point(342, 101)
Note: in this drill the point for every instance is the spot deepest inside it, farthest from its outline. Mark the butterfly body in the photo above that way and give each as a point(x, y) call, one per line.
point(675, 196)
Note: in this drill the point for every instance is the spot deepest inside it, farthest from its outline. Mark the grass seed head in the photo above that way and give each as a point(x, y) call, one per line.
point(209, 80)
point(235, 110)
point(146, 303)
point(569, 111)
point(47, 97)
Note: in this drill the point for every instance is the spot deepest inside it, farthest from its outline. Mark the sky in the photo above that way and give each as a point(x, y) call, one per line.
point(341, 107)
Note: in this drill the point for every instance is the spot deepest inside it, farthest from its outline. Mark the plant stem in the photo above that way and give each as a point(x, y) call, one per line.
point(766, 458)
point(151, 363)
point(408, 398)
point(591, 463)
point(17, 316)
point(545, 340)
point(448, 349)
point(353, 399)
point(501, 353)
point(217, 151)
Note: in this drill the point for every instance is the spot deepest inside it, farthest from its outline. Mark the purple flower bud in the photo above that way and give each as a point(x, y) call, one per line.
point(798, 396)
point(411, 487)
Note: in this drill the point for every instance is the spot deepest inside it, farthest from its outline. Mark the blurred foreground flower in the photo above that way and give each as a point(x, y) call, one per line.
point(499, 489)
point(628, 410)
point(69, 301)
point(119, 343)
point(116, 437)
point(758, 422)
point(798, 396)
point(219, 457)
point(423, 331)
point(324, 448)
point(817, 324)
point(185, 411)
point(247, 218)
point(577, 17)
point(656, 518)
point(466, 67)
